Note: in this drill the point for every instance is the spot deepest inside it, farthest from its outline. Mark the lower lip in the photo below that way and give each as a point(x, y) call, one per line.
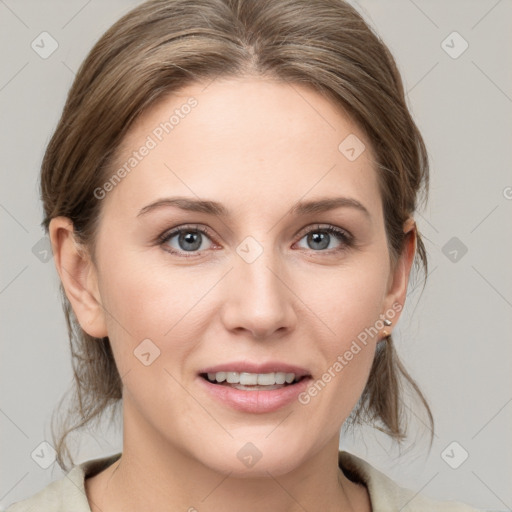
point(256, 401)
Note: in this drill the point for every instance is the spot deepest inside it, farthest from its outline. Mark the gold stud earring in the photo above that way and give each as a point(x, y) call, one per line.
point(385, 333)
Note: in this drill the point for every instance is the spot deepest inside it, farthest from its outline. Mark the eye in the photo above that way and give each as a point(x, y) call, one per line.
point(319, 238)
point(187, 239)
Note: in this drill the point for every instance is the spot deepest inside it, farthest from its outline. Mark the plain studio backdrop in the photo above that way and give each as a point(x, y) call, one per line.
point(454, 337)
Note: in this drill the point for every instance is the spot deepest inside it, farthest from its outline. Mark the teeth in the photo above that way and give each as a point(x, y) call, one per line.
point(252, 379)
point(232, 378)
point(249, 379)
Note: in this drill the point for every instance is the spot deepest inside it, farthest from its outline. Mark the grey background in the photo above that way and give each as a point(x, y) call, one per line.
point(454, 337)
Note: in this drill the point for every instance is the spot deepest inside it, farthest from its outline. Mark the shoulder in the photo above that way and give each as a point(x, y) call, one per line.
point(67, 493)
point(55, 496)
point(387, 496)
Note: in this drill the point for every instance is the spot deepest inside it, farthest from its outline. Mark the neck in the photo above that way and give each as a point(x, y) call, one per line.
point(148, 477)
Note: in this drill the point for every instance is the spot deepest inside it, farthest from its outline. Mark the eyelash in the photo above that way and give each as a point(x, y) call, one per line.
point(344, 237)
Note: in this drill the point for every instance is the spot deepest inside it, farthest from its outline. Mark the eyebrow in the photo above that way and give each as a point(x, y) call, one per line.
point(217, 209)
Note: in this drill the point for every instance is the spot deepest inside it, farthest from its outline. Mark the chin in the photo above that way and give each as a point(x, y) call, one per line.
point(253, 459)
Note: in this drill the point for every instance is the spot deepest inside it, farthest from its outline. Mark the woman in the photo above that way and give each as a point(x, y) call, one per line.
point(230, 195)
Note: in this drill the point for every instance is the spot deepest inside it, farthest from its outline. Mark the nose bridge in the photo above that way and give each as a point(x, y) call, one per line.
point(257, 268)
point(258, 300)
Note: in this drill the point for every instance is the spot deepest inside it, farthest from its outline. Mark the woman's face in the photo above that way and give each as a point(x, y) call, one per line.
point(265, 284)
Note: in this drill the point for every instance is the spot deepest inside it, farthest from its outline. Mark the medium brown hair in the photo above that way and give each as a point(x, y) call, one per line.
point(163, 45)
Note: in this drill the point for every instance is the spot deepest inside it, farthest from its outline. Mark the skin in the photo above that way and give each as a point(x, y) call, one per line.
point(257, 146)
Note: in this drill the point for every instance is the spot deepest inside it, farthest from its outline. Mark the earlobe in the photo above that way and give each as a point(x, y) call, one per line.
point(78, 277)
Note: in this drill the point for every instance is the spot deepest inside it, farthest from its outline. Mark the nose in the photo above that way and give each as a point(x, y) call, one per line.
point(258, 298)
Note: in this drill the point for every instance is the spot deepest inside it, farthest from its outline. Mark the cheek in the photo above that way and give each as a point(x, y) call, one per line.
point(349, 299)
point(349, 304)
point(149, 329)
point(145, 298)
point(167, 305)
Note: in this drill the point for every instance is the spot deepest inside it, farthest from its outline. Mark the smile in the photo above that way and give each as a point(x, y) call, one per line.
point(254, 398)
point(254, 381)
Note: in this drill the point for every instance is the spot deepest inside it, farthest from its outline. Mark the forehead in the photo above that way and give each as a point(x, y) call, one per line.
point(248, 143)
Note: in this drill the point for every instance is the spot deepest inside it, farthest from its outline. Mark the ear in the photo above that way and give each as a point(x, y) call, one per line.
point(78, 276)
point(399, 277)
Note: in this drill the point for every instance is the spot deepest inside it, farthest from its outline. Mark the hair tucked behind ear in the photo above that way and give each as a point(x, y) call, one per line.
point(164, 45)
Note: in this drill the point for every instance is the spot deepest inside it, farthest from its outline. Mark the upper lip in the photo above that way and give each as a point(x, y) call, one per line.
point(249, 367)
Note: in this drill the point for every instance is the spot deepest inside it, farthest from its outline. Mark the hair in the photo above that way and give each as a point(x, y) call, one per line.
point(162, 46)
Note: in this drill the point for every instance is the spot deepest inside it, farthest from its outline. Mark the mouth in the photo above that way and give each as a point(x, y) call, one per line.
point(254, 388)
point(246, 381)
